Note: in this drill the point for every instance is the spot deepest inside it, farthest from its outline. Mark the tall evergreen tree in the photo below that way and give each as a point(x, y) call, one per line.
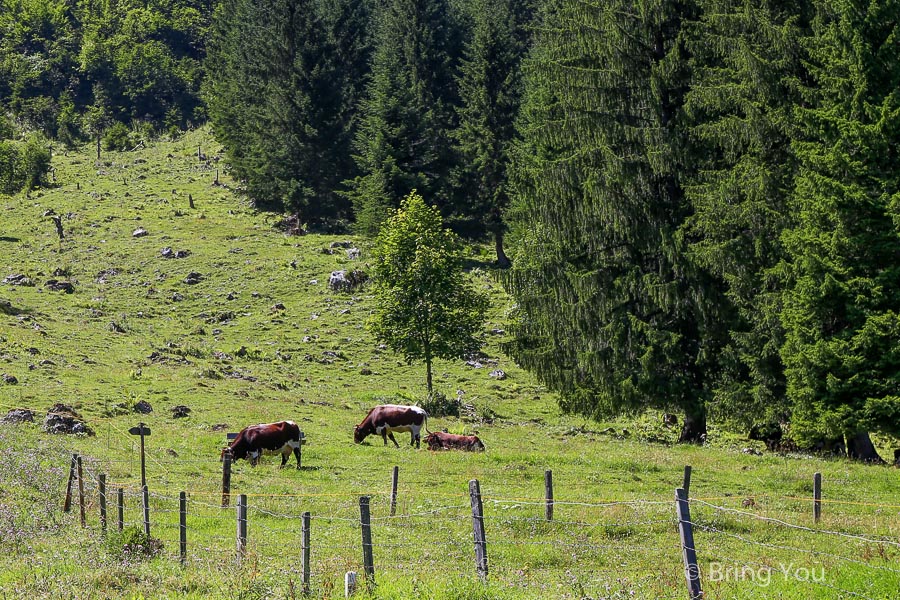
point(745, 64)
point(842, 310)
point(610, 312)
point(276, 102)
point(406, 116)
point(490, 88)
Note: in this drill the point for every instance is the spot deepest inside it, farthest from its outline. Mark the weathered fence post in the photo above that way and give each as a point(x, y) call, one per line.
point(686, 486)
point(241, 527)
point(67, 504)
point(81, 491)
point(395, 476)
point(817, 496)
point(102, 485)
point(349, 584)
point(688, 551)
point(481, 565)
point(145, 493)
point(120, 504)
point(366, 526)
point(226, 478)
point(304, 552)
point(182, 526)
point(190, 201)
point(548, 494)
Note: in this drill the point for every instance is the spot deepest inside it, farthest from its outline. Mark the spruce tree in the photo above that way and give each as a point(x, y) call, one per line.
point(610, 312)
point(842, 309)
point(744, 58)
point(276, 102)
point(490, 88)
point(406, 116)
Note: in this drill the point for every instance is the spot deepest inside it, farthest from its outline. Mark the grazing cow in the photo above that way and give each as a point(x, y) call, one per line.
point(269, 438)
point(440, 440)
point(384, 420)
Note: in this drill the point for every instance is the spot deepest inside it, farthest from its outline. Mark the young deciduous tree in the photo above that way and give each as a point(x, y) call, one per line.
point(425, 308)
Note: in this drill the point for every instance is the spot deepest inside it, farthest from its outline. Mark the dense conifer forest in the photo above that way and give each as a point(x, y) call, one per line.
point(694, 204)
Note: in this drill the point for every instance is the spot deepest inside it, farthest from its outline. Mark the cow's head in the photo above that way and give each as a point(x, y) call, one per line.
point(359, 434)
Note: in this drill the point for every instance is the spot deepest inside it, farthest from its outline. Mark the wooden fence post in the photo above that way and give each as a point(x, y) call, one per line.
point(120, 504)
point(241, 527)
point(304, 552)
point(366, 526)
point(102, 484)
point(226, 478)
point(688, 551)
point(686, 486)
point(81, 491)
point(67, 505)
point(548, 494)
point(395, 476)
point(145, 492)
point(817, 496)
point(481, 565)
point(182, 526)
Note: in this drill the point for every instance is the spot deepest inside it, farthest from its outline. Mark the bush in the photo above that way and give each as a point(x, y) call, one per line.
point(10, 182)
point(132, 543)
point(35, 161)
point(439, 405)
point(117, 137)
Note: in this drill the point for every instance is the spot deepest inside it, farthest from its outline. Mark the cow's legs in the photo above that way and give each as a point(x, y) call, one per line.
point(284, 456)
point(391, 435)
point(297, 454)
point(384, 434)
point(414, 436)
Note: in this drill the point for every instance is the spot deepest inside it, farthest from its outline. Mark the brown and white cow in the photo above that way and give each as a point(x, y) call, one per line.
point(384, 420)
point(440, 440)
point(266, 438)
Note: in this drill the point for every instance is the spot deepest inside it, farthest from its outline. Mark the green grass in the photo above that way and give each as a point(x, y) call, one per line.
point(222, 349)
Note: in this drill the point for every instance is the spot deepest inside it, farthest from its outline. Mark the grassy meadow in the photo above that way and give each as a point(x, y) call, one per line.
point(258, 336)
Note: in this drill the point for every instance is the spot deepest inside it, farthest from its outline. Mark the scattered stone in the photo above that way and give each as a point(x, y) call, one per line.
point(167, 252)
point(180, 411)
point(139, 232)
point(115, 327)
point(62, 419)
point(59, 286)
point(342, 281)
point(176, 297)
point(219, 427)
point(497, 332)
point(344, 244)
point(278, 306)
point(474, 364)
point(498, 374)
point(18, 279)
point(221, 356)
point(748, 503)
point(142, 407)
point(171, 453)
point(9, 379)
point(32, 351)
point(365, 371)
point(105, 274)
point(193, 278)
point(313, 282)
point(254, 294)
point(47, 363)
point(18, 415)
point(353, 253)
point(60, 272)
point(752, 451)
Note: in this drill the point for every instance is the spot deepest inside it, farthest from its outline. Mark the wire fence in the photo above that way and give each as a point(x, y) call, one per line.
point(744, 544)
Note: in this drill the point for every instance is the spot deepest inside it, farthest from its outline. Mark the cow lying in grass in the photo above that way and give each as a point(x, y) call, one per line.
point(266, 438)
point(440, 440)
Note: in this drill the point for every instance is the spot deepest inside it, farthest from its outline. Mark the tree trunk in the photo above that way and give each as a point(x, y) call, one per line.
point(428, 375)
point(694, 429)
point(502, 259)
point(860, 447)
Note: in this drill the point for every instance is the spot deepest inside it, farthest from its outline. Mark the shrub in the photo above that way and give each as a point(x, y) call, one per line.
point(438, 404)
point(35, 162)
point(133, 544)
point(117, 137)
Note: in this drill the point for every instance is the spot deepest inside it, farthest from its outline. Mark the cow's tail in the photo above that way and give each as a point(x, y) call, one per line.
point(425, 423)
